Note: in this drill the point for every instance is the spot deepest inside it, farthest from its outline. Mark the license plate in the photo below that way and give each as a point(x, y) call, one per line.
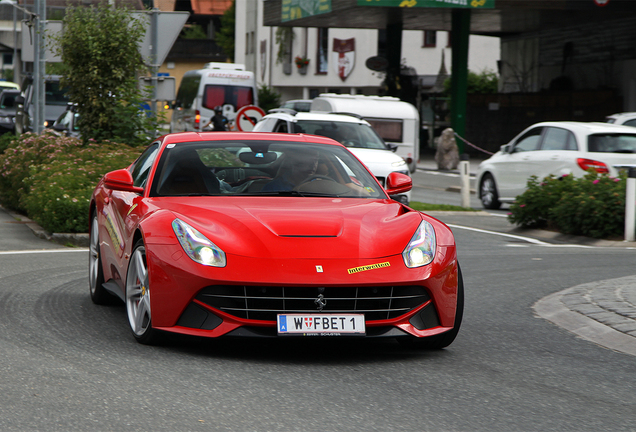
point(321, 325)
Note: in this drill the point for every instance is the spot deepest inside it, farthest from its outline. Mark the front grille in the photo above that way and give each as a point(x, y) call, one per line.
point(264, 302)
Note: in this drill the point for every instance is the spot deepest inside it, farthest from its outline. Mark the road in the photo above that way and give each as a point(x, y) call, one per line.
point(68, 365)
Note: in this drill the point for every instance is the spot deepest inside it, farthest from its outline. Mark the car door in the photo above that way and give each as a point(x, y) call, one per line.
point(514, 169)
point(119, 208)
point(557, 155)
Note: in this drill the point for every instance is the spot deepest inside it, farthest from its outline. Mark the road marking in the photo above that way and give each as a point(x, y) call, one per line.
point(517, 237)
point(23, 252)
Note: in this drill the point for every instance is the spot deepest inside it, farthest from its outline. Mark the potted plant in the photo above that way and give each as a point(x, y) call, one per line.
point(301, 64)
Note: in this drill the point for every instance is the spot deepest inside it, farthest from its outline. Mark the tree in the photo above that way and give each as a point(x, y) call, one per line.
point(225, 36)
point(485, 82)
point(268, 98)
point(100, 67)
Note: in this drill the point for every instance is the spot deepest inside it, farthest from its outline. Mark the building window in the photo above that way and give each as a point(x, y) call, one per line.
point(323, 51)
point(430, 39)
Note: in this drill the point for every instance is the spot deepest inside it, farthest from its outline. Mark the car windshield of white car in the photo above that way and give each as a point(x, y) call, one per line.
point(349, 134)
point(612, 143)
point(261, 168)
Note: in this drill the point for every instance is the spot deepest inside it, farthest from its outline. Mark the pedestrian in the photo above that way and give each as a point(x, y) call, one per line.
point(218, 122)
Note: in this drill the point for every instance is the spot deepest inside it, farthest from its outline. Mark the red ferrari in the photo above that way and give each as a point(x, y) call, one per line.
point(269, 235)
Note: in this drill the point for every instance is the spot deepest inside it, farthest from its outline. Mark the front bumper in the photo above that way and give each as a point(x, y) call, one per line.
point(244, 298)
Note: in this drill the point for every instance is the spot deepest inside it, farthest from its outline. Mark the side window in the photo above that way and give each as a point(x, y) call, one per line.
point(281, 127)
point(631, 122)
point(558, 139)
point(529, 141)
point(141, 169)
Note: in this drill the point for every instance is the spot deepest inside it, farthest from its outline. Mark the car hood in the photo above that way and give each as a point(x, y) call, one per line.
point(300, 227)
point(380, 162)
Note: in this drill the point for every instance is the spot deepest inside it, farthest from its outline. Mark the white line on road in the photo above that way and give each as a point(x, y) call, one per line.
point(23, 252)
point(516, 237)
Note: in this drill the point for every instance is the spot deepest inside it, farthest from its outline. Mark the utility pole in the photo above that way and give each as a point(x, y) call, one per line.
point(39, 67)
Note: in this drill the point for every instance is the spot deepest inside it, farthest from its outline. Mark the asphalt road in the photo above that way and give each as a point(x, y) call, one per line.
point(68, 365)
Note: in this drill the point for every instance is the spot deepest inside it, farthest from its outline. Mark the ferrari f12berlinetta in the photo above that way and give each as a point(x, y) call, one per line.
point(269, 235)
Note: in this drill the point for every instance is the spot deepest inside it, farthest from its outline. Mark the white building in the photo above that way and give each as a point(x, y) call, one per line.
point(257, 47)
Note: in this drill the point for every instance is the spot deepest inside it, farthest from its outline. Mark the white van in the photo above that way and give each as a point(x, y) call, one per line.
point(219, 84)
point(396, 121)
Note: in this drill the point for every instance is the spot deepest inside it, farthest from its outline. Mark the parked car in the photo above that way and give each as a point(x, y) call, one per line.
point(66, 123)
point(7, 110)
point(55, 101)
point(557, 148)
point(200, 236)
point(8, 85)
point(300, 105)
point(626, 118)
point(352, 131)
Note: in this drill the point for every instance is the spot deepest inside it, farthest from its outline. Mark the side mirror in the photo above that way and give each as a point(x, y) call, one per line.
point(19, 100)
point(121, 180)
point(397, 183)
point(505, 148)
point(392, 147)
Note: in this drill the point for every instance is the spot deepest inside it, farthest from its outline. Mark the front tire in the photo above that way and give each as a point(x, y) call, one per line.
point(488, 193)
point(138, 297)
point(445, 339)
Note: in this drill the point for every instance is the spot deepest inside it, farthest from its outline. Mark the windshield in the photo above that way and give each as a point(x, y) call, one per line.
point(612, 143)
point(261, 168)
point(348, 134)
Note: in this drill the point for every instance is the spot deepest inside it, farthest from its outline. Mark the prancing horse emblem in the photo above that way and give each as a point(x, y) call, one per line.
point(321, 302)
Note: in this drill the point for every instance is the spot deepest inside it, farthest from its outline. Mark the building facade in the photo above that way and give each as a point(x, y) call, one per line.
point(334, 60)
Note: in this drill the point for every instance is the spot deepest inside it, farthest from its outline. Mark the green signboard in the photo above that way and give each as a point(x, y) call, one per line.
point(296, 9)
point(466, 4)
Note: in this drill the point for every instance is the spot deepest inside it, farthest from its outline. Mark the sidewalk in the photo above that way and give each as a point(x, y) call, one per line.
point(427, 163)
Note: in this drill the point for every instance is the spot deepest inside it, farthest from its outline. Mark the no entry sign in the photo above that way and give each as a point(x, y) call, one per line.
point(247, 117)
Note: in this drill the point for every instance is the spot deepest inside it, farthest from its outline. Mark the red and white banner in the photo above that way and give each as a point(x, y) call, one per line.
point(344, 56)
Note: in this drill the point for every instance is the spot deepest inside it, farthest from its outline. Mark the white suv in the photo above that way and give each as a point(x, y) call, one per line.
point(351, 131)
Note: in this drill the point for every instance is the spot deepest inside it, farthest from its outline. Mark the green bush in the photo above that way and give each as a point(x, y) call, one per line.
point(6, 140)
point(268, 98)
point(592, 206)
point(25, 152)
point(51, 178)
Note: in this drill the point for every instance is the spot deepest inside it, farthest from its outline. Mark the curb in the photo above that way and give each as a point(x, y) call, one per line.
point(64, 239)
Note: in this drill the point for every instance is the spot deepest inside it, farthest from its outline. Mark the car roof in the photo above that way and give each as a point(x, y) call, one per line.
point(185, 137)
point(588, 127)
point(622, 116)
point(293, 117)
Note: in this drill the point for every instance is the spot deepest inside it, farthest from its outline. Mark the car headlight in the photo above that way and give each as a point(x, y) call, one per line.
point(398, 163)
point(197, 246)
point(421, 249)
